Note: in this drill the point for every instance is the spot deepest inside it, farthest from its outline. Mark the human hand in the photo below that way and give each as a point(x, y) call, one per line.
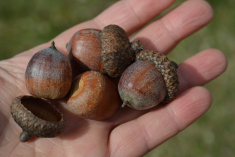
point(128, 132)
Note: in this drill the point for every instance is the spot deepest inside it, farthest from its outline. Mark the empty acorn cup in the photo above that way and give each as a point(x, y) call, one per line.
point(36, 117)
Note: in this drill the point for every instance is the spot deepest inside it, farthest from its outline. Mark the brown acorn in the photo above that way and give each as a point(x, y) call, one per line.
point(84, 50)
point(48, 74)
point(141, 86)
point(167, 68)
point(107, 51)
point(150, 81)
point(93, 96)
point(36, 117)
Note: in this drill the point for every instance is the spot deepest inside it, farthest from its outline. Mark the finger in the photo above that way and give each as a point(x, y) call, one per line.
point(201, 68)
point(164, 34)
point(132, 14)
point(129, 14)
point(137, 137)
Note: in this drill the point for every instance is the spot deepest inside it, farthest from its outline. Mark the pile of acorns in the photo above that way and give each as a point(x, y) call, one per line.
point(147, 78)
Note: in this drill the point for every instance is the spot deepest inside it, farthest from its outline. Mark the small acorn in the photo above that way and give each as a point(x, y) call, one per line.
point(150, 81)
point(36, 117)
point(93, 96)
point(107, 51)
point(167, 68)
point(84, 50)
point(48, 74)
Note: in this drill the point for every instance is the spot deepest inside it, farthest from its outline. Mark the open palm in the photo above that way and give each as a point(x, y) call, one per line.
point(128, 132)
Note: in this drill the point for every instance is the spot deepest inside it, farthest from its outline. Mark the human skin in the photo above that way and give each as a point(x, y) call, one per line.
point(128, 132)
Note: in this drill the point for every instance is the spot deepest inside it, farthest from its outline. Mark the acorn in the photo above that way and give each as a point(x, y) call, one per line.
point(84, 50)
point(36, 117)
point(107, 51)
point(48, 74)
point(93, 96)
point(150, 81)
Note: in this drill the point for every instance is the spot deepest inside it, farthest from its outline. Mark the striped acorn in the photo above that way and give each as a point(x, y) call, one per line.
point(167, 68)
point(93, 96)
point(150, 81)
point(48, 74)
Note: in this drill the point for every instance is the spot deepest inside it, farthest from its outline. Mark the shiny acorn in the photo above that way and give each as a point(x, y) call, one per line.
point(93, 96)
point(150, 81)
point(48, 74)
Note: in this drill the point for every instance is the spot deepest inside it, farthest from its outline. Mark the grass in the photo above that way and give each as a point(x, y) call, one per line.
point(25, 25)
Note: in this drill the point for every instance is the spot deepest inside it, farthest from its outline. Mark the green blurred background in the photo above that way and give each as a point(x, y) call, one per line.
point(25, 24)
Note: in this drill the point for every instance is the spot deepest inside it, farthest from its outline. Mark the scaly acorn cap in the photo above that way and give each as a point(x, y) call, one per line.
point(116, 50)
point(167, 69)
point(36, 117)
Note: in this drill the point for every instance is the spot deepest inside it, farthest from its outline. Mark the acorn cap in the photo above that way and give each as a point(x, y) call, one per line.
point(116, 51)
point(36, 117)
point(166, 67)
